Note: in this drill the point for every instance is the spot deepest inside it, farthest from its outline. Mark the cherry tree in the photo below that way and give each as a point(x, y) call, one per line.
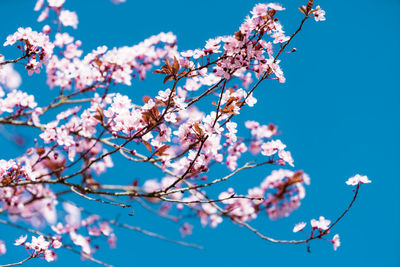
point(185, 131)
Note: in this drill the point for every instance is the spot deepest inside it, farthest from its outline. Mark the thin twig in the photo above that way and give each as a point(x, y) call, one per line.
point(17, 263)
point(133, 228)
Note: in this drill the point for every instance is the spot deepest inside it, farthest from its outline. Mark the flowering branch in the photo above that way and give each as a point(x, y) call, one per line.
point(183, 132)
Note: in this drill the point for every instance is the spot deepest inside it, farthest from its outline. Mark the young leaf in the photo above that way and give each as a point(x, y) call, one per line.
point(147, 145)
point(303, 10)
point(175, 66)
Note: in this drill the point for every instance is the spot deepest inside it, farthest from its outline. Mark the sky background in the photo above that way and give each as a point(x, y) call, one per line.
point(338, 113)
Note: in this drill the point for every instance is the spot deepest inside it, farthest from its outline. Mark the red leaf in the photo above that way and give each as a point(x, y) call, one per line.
point(175, 66)
point(147, 145)
point(303, 10)
point(146, 98)
point(161, 150)
point(168, 78)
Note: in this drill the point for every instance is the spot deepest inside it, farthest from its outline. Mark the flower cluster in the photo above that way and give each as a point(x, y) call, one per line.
point(321, 226)
point(358, 179)
point(240, 54)
point(16, 99)
point(65, 17)
point(35, 203)
point(93, 225)
point(103, 65)
point(36, 47)
point(279, 194)
point(40, 246)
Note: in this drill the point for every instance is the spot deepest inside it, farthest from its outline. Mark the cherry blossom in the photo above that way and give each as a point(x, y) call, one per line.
point(21, 240)
point(55, 3)
point(299, 227)
point(35, 46)
point(69, 18)
point(358, 179)
point(186, 229)
point(38, 244)
point(112, 241)
point(321, 224)
point(3, 248)
point(336, 242)
point(17, 99)
point(319, 14)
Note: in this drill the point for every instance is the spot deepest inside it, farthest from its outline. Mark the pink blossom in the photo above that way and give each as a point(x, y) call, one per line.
point(63, 39)
point(20, 240)
point(39, 4)
point(91, 219)
point(319, 14)
point(112, 241)
point(188, 53)
point(59, 228)
point(215, 220)
point(299, 227)
point(256, 192)
point(186, 229)
point(251, 100)
point(69, 18)
point(73, 218)
point(227, 196)
point(94, 231)
point(44, 15)
point(286, 156)
point(50, 255)
point(231, 127)
point(39, 244)
point(358, 179)
point(212, 45)
point(279, 37)
point(261, 9)
point(46, 29)
point(17, 99)
point(280, 202)
point(81, 241)
point(271, 147)
point(105, 228)
point(56, 243)
point(37, 46)
point(3, 248)
point(336, 242)
point(321, 224)
point(55, 3)
point(252, 124)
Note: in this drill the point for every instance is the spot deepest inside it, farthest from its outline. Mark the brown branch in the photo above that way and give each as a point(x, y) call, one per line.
point(233, 196)
point(13, 60)
point(49, 238)
point(73, 189)
point(190, 166)
point(17, 263)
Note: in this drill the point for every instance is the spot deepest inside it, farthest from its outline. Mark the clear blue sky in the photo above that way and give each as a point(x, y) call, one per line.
point(338, 113)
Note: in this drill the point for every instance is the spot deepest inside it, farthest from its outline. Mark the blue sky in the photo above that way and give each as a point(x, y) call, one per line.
point(338, 113)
